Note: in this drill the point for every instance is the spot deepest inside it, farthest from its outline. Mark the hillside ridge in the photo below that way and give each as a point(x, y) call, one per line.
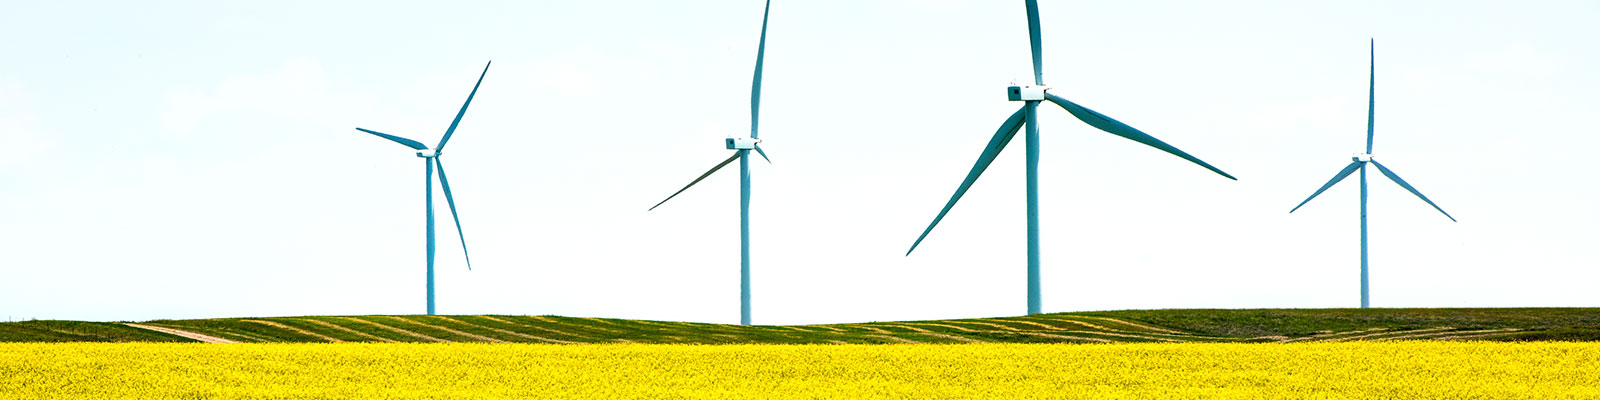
point(1174, 325)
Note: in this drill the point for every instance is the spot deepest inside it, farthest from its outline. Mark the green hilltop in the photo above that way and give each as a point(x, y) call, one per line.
point(1200, 325)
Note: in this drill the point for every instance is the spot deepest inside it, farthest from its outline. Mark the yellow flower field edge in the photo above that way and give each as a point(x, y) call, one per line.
point(1430, 370)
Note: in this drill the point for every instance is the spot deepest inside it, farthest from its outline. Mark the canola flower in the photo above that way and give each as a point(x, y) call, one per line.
point(1423, 370)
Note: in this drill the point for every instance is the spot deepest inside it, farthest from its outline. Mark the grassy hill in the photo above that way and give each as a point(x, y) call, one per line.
point(1260, 325)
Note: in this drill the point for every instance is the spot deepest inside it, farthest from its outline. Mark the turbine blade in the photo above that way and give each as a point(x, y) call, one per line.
point(1336, 178)
point(445, 183)
point(996, 143)
point(755, 87)
point(1033, 38)
point(1115, 127)
point(408, 142)
point(1372, 84)
point(1402, 182)
point(463, 111)
point(702, 177)
point(763, 154)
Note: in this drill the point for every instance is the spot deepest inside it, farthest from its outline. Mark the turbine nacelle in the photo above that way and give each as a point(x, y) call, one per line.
point(427, 153)
point(1026, 93)
point(1361, 157)
point(736, 143)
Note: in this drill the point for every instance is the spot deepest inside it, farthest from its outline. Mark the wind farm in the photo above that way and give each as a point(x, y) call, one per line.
point(188, 213)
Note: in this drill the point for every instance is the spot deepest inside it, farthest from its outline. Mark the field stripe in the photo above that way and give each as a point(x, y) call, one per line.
point(1484, 333)
point(558, 332)
point(517, 334)
point(477, 337)
point(953, 337)
point(825, 327)
point(187, 334)
point(1386, 332)
point(1326, 334)
point(396, 330)
point(1048, 335)
point(584, 326)
point(897, 339)
point(1009, 328)
point(298, 330)
point(1080, 323)
point(940, 325)
point(1046, 326)
point(347, 330)
point(910, 328)
point(1127, 335)
point(1136, 325)
point(869, 328)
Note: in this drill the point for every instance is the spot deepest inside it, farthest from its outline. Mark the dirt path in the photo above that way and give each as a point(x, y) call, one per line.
point(348, 330)
point(297, 330)
point(187, 334)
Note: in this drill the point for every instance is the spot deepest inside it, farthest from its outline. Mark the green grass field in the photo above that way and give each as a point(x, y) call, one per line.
point(1261, 325)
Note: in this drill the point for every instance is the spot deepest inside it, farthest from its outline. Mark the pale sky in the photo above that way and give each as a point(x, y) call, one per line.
point(198, 159)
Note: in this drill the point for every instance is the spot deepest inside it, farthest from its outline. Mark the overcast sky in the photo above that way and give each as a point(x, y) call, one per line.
point(198, 159)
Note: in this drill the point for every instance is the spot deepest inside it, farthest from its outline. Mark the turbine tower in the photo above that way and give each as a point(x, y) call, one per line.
point(430, 158)
point(1031, 96)
point(742, 148)
point(1359, 162)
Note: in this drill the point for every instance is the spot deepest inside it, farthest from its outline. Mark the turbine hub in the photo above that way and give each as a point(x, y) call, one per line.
point(742, 143)
point(427, 153)
point(1361, 157)
point(1026, 92)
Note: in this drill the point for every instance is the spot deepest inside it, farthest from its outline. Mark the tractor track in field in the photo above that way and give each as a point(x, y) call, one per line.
point(558, 332)
point(348, 330)
point(473, 336)
point(396, 330)
point(996, 326)
point(895, 339)
point(506, 332)
point(953, 337)
point(296, 330)
point(179, 332)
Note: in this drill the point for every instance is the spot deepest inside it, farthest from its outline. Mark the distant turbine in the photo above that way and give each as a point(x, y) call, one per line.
point(742, 147)
point(431, 159)
point(1032, 95)
point(1359, 161)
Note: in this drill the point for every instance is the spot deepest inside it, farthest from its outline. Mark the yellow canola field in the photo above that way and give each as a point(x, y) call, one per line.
point(1424, 370)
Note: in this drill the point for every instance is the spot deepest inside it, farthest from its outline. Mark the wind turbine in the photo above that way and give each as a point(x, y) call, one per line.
point(741, 149)
point(430, 157)
point(1032, 95)
point(1359, 162)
